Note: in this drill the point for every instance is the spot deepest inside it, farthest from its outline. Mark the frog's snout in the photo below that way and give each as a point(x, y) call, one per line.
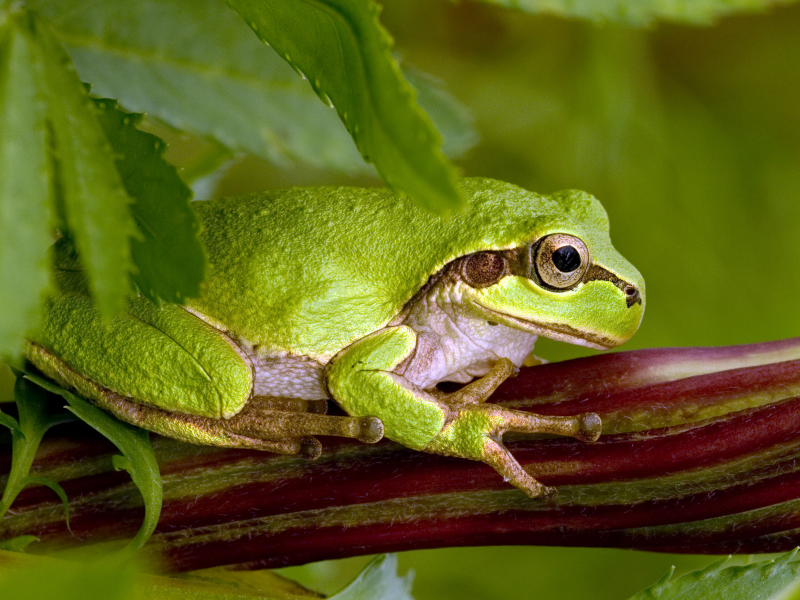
point(633, 294)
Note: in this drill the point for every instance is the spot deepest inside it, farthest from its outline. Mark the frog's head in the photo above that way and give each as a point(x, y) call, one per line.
point(564, 280)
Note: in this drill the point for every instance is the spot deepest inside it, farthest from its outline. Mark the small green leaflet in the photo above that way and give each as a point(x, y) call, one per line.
point(343, 51)
point(170, 259)
point(379, 580)
point(137, 455)
point(642, 12)
point(10, 422)
point(26, 434)
point(767, 580)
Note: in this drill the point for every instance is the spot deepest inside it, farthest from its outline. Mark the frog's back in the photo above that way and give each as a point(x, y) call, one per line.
point(310, 270)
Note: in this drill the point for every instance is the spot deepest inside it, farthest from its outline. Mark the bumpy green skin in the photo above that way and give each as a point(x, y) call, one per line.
point(320, 273)
point(163, 357)
point(312, 270)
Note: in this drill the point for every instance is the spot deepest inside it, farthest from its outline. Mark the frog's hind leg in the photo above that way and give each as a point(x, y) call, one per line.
point(258, 426)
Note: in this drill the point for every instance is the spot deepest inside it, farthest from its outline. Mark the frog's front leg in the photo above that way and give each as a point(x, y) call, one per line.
point(363, 381)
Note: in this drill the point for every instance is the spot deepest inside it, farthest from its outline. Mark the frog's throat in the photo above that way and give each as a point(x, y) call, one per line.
point(555, 331)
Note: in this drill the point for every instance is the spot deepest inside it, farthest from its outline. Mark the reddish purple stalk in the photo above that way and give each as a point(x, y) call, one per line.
point(699, 454)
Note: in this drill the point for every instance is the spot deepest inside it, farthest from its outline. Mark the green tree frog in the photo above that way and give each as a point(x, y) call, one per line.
point(359, 296)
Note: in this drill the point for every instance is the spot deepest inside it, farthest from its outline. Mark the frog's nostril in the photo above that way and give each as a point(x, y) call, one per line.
point(632, 295)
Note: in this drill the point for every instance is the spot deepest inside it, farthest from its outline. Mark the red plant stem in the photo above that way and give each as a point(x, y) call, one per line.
point(700, 455)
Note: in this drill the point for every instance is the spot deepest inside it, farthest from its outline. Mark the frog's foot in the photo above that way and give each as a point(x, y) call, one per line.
point(475, 431)
point(255, 427)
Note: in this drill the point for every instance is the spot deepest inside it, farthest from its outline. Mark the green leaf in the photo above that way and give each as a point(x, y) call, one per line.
point(25, 438)
point(24, 192)
point(769, 580)
point(18, 544)
point(9, 422)
point(137, 455)
point(342, 49)
point(195, 65)
point(170, 258)
point(642, 12)
point(379, 579)
point(90, 197)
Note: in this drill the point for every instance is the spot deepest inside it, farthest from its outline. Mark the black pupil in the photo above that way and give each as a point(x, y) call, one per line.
point(566, 259)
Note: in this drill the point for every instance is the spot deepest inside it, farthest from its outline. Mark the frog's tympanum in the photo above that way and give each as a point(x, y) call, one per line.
point(362, 297)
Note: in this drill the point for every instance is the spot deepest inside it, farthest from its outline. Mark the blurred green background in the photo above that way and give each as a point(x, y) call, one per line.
point(690, 136)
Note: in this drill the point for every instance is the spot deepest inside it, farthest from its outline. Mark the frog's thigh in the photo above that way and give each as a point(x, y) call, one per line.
point(166, 358)
point(181, 426)
point(363, 382)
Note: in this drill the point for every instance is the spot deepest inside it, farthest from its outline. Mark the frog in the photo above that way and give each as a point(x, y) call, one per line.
point(360, 297)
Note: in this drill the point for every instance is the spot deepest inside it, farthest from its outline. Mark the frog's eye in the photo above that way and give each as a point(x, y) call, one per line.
point(561, 260)
point(484, 268)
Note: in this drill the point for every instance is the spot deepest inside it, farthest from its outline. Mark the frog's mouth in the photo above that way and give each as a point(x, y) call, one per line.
point(554, 331)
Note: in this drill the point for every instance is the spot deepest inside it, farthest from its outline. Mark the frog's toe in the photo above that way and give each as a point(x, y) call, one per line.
point(310, 448)
point(586, 427)
point(497, 456)
point(549, 493)
point(590, 427)
point(370, 430)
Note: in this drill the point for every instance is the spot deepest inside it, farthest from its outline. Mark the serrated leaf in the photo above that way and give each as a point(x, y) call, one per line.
point(195, 65)
point(341, 48)
point(767, 580)
point(170, 259)
point(642, 12)
point(137, 455)
point(89, 193)
point(24, 190)
point(379, 579)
